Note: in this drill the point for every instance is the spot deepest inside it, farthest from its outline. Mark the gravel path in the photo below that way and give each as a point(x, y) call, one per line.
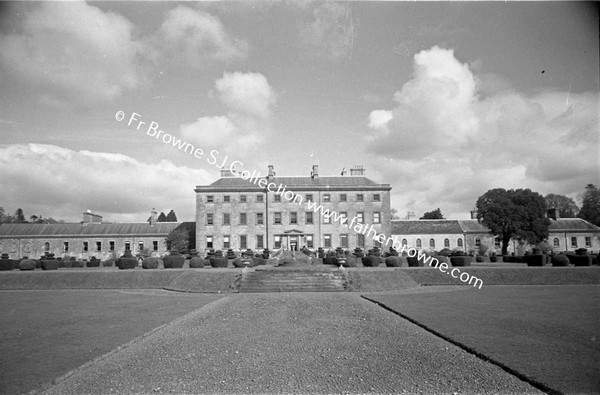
point(290, 343)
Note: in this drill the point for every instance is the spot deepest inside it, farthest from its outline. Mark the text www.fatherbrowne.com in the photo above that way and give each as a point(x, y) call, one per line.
point(254, 178)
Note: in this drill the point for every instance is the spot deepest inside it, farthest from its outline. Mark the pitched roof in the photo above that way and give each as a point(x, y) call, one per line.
point(90, 229)
point(426, 226)
point(298, 183)
point(453, 226)
point(572, 225)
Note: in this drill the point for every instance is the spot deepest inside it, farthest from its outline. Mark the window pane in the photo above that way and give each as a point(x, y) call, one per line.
point(326, 197)
point(242, 218)
point(259, 241)
point(243, 243)
point(344, 240)
point(277, 198)
point(359, 197)
point(293, 218)
point(242, 198)
point(419, 243)
point(376, 197)
point(360, 217)
point(327, 241)
point(226, 220)
point(309, 217)
point(361, 241)
point(432, 243)
point(226, 199)
point(277, 218)
point(309, 241)
point(259, 198)
point(260, 218)
point(446, 243)
point(226, 242)
point(376, 217)
point(343, 197)
point(209, 242)
point(209, 218)
point(210, 198)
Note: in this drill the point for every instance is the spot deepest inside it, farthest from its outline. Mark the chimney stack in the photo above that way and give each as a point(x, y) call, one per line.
point(271, 173)
point(315, 172)
point(89, 218)
point(473, 214)
point(152, 217)
point(553, 214)
point(357, 170)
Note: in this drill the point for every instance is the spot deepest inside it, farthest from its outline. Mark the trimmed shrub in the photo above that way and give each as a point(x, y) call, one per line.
point(493, 258)
point(560, 260)
point(358, 252)
point(330, 260)
point(150, 263)
point(581, 251)
point(77, 264)
point(594, 259)
point(27, 264)
point(237, 262)
point(413, 261)
point(519, 259)
point(230, 254)
point(49, 263)
point(479, 259)
point(258, 260)
point(127, 261)
point(109, 263)
point(350, 261)
point(5, 263)
point(393, 261)
point(219, 261)
point(461, 260)
point(174, 260)
point(581, 260)
point(370, 261)
point(196, 262)
point(535, 260)
point(93, 262)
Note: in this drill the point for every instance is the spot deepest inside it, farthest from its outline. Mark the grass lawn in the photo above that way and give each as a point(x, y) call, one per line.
point(46, 334)
point(549, 334)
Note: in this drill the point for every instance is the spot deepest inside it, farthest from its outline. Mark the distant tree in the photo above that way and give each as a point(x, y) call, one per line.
point(565, 205)
point(33, 219)
point(517, 213)
point(171, 217)
point(161, 217)
point(590, 208)
point(178, 240)
point(2, 215)
point(19, 216)
point(394, 214)
point(435, 214)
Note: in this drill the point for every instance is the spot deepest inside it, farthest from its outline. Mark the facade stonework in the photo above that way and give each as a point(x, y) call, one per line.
point(238, 214)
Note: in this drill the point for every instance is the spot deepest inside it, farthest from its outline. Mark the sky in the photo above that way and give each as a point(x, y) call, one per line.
point(443, 101)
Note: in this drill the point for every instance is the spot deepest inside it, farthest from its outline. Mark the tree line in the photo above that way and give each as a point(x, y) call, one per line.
point(19, 218)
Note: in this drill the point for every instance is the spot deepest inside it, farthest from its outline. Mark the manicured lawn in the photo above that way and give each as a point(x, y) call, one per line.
point(550, 334)
point(46, 334)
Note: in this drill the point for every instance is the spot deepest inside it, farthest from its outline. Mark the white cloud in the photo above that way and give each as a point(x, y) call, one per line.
point(57, 182)
point(73, 50)
point(450, 143)
point(331, 32)
point(247, 93)
point(209, 131)
point(196, 35)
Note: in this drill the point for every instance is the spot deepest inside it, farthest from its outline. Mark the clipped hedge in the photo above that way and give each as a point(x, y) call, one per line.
point(150, 263)
point(371, 261)
point(93, 262)
point(77, 264)
point(127, 261)
point(196, 262)
point(27, 264)
point(581, 260)
point(461, 260)
point(535, 260)
point(219, 261)
point(49, 263)
point(479, 259)
point(174, 260)
point(393, 261)
point(330, 260)
point(5, 262)
point(413, 261)
point(560, 260)
point(351, 261)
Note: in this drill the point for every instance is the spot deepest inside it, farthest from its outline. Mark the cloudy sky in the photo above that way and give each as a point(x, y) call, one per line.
point(443, 101)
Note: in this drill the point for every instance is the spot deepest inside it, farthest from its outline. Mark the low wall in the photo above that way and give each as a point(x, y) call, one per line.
point(228, 280)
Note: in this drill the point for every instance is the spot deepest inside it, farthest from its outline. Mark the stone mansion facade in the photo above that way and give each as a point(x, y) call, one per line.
point(235, 213)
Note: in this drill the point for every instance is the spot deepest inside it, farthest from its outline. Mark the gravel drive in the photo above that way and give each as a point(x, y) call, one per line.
point(290, 343)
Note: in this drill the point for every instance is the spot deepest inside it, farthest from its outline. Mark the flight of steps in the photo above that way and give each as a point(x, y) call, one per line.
point(291, 279)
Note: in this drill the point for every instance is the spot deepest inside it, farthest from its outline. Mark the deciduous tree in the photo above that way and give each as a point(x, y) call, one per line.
point(178, 240)
point(171, 217)
point(590, 209)
point(565, 205)
point(519, 213)
point(435, 214)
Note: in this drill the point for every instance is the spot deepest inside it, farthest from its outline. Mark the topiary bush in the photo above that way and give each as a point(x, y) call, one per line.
point(393, 261)
point(594, 259)
point(77, 264)
point(219, 261)
point(196, 262)
point(109, 263)
point(27, 264)
point(49, 262)
point(493, 258)
point(174, 260)
point(351, 261)
point(479, 259)
point(5, 262)
point(458, 260)
point(93, 262)
point(535, 260)
point(150, 263)
point(127, 261)
point(560, 260)
point(370, 261)
point(581, 260)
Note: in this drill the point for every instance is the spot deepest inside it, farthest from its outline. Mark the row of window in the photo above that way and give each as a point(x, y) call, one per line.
point(327, 197)
point(98, 246)
point(574, 244)
point(293, 218)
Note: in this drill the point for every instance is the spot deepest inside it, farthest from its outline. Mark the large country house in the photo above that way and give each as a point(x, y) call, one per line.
point(274, 212)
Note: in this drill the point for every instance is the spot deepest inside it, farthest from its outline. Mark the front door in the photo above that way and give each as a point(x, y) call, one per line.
point(294, 243)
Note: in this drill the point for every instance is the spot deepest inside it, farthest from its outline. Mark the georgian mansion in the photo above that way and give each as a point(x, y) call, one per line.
point(241, 214)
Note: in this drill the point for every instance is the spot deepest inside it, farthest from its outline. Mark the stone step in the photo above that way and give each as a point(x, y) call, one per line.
point(283, 280)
